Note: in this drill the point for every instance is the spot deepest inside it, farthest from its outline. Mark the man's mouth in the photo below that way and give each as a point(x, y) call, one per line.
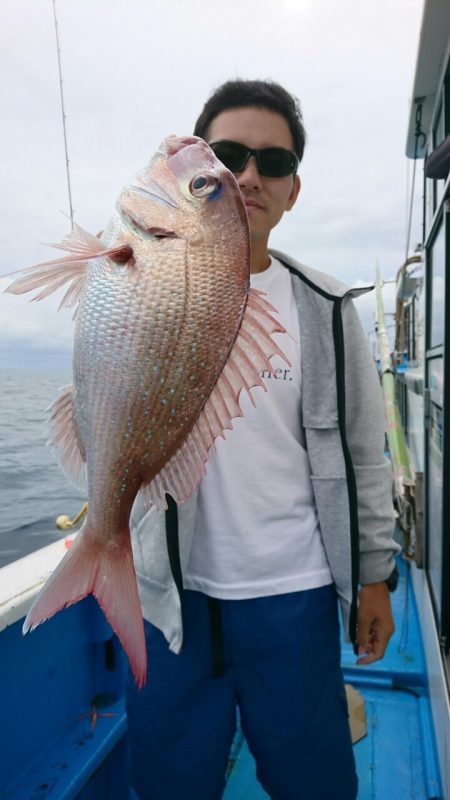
point(250, 203)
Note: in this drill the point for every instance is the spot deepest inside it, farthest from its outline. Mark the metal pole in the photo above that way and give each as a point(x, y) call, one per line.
point(396, 438)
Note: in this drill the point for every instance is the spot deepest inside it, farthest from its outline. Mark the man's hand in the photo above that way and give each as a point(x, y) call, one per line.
point(375, 623)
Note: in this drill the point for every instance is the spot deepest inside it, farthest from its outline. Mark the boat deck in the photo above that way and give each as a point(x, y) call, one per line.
point(56, 745)
point(397, 758)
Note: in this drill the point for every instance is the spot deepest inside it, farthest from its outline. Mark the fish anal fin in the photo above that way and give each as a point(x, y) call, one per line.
point(64, 439)
point(248, 358)
point(107, 573)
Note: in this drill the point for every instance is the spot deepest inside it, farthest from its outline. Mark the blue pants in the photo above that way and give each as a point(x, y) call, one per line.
point(282, 657)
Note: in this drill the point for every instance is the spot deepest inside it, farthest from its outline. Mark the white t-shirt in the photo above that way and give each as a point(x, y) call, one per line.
point(257, 531)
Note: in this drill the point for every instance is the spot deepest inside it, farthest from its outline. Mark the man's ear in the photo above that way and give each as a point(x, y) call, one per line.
point(297, 185)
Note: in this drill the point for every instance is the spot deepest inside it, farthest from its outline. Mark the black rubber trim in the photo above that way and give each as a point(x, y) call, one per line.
point(338, 335)
point(217, 646)
point(318, 289)
point(110, 655)
point(215, 620)
point(309, 283)
point(173, 545)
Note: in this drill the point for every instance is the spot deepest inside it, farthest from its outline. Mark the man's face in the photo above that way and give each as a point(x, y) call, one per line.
point(266, 199)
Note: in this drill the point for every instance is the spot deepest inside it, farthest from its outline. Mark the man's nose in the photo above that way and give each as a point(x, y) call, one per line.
point(249, 176)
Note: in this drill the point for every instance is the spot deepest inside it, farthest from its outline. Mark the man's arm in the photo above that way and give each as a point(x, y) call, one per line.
point(375, 623)
point(365, 424)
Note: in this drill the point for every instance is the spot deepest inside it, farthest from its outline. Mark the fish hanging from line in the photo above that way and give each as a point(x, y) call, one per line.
point(168, 333)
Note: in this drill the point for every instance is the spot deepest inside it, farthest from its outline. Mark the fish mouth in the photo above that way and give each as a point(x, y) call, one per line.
point(187, 155)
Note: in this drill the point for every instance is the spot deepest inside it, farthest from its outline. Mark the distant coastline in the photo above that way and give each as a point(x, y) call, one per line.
point(23, 356)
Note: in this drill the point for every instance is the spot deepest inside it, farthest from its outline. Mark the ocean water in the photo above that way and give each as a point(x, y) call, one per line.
point(34, 491)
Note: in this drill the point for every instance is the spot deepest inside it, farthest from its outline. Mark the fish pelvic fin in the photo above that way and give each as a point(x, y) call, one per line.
point(107, 573)
point(72, 269)
point(248, 359)
point(64, 440)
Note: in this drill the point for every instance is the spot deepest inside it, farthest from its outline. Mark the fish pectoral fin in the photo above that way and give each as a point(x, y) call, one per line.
point(51, 275)
point(108, 573)
point(249, 357)
point(64, 439)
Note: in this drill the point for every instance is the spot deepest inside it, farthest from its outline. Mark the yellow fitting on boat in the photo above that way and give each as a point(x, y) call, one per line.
point(63, 522)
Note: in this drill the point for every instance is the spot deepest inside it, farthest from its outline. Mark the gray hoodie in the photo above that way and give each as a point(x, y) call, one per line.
point(343, 418)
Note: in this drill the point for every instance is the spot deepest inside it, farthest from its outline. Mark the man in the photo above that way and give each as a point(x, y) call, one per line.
point(294, 510)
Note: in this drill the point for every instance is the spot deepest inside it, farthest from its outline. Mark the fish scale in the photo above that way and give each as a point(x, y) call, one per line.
point(168, 334)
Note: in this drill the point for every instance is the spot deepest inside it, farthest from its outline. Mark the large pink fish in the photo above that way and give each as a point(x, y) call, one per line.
point(167, 335)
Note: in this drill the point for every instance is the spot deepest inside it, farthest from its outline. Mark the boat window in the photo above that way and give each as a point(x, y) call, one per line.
point(411, 323)
point(434, 189)
point(438, 138)
point(439, 127)
point(436, 255)
point(430, 194)
point(407, 332)
point(435, 477)
point(446, 102)
point(404, 408)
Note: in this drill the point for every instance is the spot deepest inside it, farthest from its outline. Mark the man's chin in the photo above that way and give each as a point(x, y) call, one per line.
point(257, 233)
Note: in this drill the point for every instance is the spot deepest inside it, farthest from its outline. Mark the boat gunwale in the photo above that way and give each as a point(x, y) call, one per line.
point(21, 580)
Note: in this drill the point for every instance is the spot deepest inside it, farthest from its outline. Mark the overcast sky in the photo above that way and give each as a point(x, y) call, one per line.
point(137, 70)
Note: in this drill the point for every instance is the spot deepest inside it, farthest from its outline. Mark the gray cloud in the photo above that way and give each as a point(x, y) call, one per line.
point(136, 71)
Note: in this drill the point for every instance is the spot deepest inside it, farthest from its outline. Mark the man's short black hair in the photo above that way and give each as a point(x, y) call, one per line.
point(262, 94)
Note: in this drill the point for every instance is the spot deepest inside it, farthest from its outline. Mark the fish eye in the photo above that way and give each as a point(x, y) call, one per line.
point(200, 182)
point(204, 185)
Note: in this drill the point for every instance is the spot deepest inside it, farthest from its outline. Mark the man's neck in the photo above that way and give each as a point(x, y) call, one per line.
point(259, 257)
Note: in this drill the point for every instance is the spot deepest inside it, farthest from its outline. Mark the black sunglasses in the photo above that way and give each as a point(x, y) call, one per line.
point(273, 162)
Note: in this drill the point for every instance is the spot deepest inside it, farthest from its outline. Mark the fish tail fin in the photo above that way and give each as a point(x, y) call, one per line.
point(108, 574)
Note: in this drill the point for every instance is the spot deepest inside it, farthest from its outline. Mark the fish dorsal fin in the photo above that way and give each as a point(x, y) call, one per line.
point(249, 357)
point(64, 439)
point(51, 275)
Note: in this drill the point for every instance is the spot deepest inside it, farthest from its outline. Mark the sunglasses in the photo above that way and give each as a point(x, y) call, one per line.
point(272, 162)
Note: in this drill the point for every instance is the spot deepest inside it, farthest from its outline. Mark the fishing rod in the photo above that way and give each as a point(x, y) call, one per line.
point(63, 113)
